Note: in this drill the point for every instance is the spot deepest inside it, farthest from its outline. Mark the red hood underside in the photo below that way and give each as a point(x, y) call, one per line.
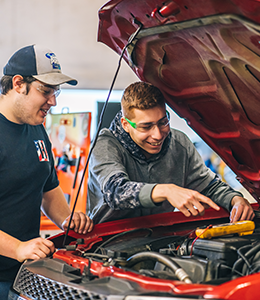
point(204, 56)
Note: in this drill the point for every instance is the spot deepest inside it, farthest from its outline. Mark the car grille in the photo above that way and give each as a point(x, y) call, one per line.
point(37, 287)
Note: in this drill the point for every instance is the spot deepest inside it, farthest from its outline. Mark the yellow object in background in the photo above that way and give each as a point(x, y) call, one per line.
point(240, 227)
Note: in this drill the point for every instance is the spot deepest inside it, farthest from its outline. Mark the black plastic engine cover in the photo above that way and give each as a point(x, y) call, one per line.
point(224, 248)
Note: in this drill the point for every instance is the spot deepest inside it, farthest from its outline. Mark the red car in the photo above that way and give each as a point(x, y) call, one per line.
point(205, 58)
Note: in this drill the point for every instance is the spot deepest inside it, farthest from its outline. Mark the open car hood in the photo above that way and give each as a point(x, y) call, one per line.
point(205, 58)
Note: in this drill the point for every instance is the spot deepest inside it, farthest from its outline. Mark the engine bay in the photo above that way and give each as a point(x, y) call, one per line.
point(149, 255)
point(211, 261)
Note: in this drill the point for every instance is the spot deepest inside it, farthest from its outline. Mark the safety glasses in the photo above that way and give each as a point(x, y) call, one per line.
point(145, 127)
point(47, 91)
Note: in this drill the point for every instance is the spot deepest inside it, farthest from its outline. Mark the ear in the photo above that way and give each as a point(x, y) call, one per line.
point(18, 83)
point(125, 124)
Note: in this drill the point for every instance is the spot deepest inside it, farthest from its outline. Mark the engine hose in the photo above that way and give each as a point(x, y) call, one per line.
point(177, 270)
point(255, 264)
point(255, 268)
point(238, 265)
point(257, 256)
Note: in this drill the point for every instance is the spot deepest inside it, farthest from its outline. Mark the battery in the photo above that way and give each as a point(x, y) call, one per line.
point(240, 228)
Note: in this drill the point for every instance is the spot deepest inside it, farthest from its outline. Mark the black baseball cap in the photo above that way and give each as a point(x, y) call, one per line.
point(38, 62)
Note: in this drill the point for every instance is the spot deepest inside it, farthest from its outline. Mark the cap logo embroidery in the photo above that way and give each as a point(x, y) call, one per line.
point(53, 60)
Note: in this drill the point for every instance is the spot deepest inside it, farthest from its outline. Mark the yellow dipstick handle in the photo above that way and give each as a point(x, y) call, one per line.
point(240, 227)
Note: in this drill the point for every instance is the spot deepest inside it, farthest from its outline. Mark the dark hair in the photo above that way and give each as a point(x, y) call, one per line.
point(141, 95)
point(7, 83)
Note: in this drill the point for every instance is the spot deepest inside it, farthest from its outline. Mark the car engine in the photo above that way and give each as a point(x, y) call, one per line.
point(121, 264)
point(212, 261)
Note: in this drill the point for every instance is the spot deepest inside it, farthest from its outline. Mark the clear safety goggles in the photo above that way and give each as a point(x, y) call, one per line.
point(145, 127)
point(48, 91)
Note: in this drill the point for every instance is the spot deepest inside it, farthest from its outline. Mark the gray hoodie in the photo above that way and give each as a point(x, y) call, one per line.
point(121, 178)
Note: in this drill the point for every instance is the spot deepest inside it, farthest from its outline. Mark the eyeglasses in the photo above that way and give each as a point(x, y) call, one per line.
point(145, 127)
point(48, 91)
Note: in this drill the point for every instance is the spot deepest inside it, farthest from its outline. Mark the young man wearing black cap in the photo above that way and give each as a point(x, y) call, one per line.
point(30, 85)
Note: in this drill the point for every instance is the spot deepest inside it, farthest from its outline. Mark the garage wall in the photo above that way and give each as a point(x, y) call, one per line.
point(69, 29)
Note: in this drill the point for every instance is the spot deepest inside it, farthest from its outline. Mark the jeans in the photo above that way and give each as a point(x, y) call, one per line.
point(4, 289)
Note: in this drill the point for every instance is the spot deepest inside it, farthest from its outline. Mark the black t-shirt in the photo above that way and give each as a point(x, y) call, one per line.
point(26, 171)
